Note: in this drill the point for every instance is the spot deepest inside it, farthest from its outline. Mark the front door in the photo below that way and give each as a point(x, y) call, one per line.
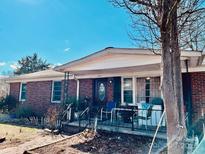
point(100, 94)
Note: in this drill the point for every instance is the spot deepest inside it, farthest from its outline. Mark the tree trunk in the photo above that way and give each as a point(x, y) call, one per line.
point(172, 82)
point(176, 53)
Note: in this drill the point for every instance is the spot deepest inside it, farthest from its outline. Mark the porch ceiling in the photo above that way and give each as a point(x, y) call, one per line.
point(143, 70)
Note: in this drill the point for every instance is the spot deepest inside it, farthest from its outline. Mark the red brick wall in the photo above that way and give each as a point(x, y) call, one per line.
point(39, 95)
point(110, 92)
point(86, 88)
point(14, 90)
point(198, 93)
point(72, 88)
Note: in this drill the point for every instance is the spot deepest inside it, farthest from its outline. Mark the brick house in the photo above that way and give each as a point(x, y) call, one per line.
point(126, 76)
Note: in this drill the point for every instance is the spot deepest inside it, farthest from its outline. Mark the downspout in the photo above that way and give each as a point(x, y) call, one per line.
point(77, 88)
point(187, 66)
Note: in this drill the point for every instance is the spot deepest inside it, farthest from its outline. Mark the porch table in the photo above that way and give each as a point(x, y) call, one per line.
point(134, 109)
point(123, 108)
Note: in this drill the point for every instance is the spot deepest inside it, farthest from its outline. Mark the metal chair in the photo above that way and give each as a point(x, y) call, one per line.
point(144, 112)
point(108, 109)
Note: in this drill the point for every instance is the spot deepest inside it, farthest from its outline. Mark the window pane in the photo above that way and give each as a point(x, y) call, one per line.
point(128, 90)
point(23, 87)
point(128, 84)
point(56, 88)
point(23, 91)
point(128, 96)
point(56, 98)
point(23, 95)
point(57, 83)
point(101, 92)
point(147, 90)
point(56, 91)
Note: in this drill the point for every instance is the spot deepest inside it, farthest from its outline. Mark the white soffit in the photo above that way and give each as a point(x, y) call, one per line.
point(111, 58)
point(37, 76)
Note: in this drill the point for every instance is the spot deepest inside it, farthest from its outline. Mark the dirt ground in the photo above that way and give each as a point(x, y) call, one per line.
point(19, 139)
point(101, 143)
point(16, 135)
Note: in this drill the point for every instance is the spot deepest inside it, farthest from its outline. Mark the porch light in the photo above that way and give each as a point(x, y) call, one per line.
point(147, 78)
point(110, 80)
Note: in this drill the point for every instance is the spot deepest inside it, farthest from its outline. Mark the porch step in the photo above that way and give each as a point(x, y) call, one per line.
point(70, 129)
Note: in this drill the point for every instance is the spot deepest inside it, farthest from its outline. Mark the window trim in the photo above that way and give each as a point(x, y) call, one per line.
point(20, 92)
point(147, 97)
point(52, 101)
point(133, 90)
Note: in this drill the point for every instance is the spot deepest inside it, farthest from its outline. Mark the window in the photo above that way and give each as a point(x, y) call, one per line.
point(101, 92)
point(128, 90)
point(147, 89)
point(23, 92)
point(56, 91)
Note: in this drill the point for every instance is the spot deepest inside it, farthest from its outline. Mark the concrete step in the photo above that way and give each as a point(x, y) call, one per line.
point(71, 129)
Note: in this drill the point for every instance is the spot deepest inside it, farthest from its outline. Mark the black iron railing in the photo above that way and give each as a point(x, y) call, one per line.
point(135, 119)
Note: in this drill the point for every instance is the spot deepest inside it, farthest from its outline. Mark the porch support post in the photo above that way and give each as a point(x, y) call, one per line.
point(66, 80)
point(77, 89)
point(122, 91)
point(134, 89)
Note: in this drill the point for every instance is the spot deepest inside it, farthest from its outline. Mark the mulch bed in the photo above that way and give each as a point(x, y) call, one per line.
point(103, 143)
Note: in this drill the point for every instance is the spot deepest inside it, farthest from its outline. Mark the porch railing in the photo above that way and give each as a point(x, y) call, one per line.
point(135, 119)
point(84, 115)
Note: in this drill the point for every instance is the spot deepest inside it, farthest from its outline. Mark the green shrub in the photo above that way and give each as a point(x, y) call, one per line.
point(8, 103)
point(26, 111)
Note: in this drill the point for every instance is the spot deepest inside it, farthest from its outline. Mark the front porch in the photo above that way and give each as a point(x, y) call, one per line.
point(130, 120)
point(129, 80)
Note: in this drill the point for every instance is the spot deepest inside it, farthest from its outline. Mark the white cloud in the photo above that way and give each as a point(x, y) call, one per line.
point(54, 65)
point(58, 64)
point(14, 66)
point(2, 63)
point(67, 49)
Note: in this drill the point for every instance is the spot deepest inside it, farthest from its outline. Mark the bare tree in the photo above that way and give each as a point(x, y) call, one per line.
point(171, 25)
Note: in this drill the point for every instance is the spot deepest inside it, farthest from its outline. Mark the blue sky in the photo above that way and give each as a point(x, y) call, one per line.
point(59, 30)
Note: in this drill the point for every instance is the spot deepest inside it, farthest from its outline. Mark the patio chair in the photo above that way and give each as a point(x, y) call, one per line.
point(107, 109)
point(144, 112)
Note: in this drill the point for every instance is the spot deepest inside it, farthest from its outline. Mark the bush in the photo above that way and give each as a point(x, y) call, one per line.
point(27, 112)
point(8, 103)
point(79, 105)
point(52, 116)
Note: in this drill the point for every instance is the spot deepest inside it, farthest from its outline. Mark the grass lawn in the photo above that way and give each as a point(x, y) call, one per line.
point(16, 135)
